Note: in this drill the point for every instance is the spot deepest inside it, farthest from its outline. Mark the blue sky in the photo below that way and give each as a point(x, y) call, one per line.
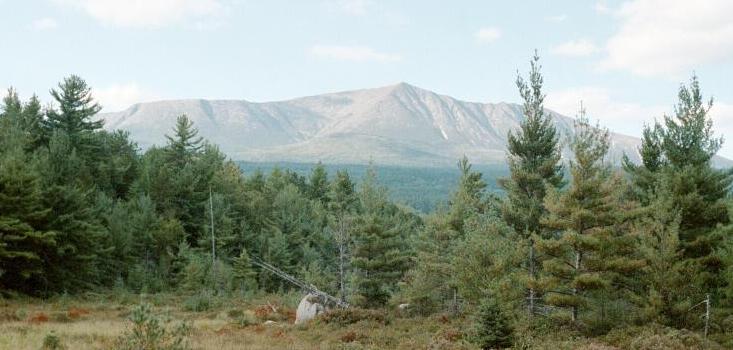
point(624, 59)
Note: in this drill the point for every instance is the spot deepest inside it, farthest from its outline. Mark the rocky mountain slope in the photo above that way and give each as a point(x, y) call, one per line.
point(393, 125)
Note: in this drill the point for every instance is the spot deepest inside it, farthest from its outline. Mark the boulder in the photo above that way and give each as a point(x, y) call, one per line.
point(310, 307)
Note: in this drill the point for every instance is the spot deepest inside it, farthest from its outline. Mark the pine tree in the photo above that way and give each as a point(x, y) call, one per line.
point(76, 111)
point(676, 162)
point(581, 257)
point(534, 164)
point(184, 144)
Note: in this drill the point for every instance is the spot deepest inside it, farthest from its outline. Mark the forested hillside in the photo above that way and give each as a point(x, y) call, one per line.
point(421, 188)
point(580, 246)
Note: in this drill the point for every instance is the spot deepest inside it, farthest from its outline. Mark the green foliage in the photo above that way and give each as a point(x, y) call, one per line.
point(587, 254)
point(379, 259)
point(534, 159)
point(52, 342)
point(491, 329)
point(150, 332)
point(353, 315)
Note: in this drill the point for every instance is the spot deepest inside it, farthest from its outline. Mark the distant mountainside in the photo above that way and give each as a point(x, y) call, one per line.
point(394, 125)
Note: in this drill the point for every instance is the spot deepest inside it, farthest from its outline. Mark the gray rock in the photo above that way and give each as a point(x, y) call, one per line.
point(310, 307)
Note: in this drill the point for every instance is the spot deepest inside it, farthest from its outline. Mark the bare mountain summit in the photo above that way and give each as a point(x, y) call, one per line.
point(393, 125)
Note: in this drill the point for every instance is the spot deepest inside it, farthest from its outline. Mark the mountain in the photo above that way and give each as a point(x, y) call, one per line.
point(394, 125)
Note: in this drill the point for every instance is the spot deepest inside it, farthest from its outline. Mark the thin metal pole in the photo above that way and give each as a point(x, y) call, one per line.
point(213, 237)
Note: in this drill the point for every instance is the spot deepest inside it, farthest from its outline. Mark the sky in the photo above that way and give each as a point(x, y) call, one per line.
point(624, 59)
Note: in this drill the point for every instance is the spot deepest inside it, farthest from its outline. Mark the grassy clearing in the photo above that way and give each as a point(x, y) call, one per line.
point(96, 322)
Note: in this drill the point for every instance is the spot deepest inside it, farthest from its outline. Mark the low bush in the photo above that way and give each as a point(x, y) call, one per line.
point(353, 315)
point(200, 302)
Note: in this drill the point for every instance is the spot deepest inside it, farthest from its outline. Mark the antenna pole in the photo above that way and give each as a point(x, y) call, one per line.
point(213, 237)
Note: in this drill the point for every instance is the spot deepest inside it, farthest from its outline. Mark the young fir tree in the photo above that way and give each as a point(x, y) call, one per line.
point(491, 329)
point(244, 275)
point(379, 261)
point(582, 258)
point(534, 164)
point(677, 163)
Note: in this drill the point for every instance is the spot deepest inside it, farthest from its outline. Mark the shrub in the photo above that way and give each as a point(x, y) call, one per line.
point(353, 315)
point(200, 302)
point(491, 326)
point(148, 332)
point(52, 342)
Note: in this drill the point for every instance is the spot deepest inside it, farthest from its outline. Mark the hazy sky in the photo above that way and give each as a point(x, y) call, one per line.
point(624, 59)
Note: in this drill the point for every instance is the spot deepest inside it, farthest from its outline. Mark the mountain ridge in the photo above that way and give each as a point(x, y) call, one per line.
point(398, 124)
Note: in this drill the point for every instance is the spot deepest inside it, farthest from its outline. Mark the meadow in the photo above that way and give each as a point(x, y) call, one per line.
point(103, 321)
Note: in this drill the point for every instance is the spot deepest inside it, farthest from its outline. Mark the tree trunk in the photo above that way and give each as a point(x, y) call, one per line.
point(575, 290)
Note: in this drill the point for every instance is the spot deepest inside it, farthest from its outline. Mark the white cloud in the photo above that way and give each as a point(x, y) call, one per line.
point(663, 37)
point(487, 35)
point(44, 24)
point(557, 18)
point(145, 13)
point(575, 48)
point(120, 96)
point(353, 53)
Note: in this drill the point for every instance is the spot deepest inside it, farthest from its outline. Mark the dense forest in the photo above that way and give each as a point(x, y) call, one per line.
point(423, 189)
point(579, 243)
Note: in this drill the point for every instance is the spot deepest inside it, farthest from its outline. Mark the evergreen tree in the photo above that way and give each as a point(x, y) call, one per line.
point(676, 163)
point(491, 326)
point(24, 239)
point(75, 114)
point(534, 165)
point(318, 183)
point(244, 274)
point(343, 204)
point(379, 260)
point(184, 144)
point(582, 258)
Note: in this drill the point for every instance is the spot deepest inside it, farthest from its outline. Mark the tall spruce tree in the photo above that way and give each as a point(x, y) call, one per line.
point(534, 164)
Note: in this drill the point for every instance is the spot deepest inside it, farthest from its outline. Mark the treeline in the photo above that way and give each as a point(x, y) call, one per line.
point(81, 208)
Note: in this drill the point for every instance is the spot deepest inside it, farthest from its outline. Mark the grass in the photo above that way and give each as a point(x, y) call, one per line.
point(97, 321)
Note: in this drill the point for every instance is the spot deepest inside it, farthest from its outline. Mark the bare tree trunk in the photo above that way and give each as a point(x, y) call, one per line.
point(532, 276)
point(342, 241)
point(578, 255)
